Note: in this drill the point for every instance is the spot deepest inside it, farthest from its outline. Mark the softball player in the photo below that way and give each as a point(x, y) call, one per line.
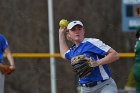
point(137, 62)
point(99, 81)
point(4, 49)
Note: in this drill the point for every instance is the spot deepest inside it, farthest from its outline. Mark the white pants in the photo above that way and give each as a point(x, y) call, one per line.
point(109, 86)
point(2, 79)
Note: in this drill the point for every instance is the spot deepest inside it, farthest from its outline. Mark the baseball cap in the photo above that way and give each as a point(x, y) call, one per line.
point(74, 23)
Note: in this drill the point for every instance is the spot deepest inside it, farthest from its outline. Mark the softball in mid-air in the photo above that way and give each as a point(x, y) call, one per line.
point(63, 23)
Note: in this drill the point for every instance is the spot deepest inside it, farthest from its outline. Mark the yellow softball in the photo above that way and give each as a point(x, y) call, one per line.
point(63, 23)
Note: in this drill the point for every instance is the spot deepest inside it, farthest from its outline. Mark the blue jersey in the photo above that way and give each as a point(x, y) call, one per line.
point(92, 48)
point(3, 45)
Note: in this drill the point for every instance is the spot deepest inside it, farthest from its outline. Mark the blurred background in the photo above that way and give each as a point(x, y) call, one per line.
point(25, 24)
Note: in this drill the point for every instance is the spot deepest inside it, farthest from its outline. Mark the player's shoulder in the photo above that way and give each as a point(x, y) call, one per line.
point(92, 40)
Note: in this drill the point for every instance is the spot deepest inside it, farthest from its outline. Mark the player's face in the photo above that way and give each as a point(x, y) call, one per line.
point(77, 33)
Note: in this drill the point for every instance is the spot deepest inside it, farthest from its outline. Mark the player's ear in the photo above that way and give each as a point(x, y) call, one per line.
point(68, 35)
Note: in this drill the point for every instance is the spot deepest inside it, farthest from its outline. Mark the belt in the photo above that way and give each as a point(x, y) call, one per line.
point(91, 84)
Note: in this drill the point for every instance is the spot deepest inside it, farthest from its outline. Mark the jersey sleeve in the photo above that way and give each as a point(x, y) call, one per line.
point(4, 43)
point(99, 47)
point(67, 55)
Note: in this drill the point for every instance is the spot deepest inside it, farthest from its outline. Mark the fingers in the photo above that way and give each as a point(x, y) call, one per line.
point(62, 29)
point(12, 67)
point(94, 64)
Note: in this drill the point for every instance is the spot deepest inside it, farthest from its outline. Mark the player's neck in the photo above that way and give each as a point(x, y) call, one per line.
point(77, 43)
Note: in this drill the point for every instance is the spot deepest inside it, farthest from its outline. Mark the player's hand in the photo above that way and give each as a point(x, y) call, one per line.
point(94, 64)
point(12, 67)
point(62, 30)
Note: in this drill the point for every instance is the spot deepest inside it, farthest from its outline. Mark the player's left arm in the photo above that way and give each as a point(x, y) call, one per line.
point(111, 56)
